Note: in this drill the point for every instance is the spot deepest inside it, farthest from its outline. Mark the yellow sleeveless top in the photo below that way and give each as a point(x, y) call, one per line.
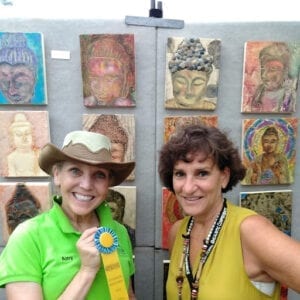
point(223, 276)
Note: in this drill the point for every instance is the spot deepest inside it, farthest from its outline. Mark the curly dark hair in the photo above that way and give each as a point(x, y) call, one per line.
point(192, 139)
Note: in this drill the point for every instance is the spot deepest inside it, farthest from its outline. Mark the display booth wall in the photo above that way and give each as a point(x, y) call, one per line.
point(65, 107)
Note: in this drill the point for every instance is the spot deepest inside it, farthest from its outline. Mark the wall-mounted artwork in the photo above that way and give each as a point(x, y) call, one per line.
point(269, 150)
point(22, 69)
point(23, 134)
point(192, 73)
point(270, 77)
point(172, 123)
point(122, 201)
point(274, 205)
point(21, 201)
point(120, 128)
point(108, 69)
point(171, 212)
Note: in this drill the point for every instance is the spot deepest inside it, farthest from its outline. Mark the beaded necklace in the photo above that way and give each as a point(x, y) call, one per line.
point(207, 247)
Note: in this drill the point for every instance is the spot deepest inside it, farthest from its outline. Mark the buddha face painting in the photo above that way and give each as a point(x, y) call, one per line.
point(106, 77)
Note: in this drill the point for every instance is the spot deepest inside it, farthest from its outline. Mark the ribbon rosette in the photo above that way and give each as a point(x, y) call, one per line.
point(106, 240)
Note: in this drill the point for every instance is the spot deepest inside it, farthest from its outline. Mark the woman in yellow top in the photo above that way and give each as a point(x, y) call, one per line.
point(220, 251)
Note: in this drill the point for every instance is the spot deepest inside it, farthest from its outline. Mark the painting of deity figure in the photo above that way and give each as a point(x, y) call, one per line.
point(192, 73)
point(120, 129)
point(269, 150)
point(22, 136)
point(270, 77)
point(108, 69)
point(19, 202)
point(22, 69)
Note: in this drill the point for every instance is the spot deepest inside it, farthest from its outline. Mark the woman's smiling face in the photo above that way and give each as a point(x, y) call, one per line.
point(83, 187)
point(198, 183)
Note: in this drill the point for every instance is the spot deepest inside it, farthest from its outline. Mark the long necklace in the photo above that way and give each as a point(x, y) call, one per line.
point(207, 247)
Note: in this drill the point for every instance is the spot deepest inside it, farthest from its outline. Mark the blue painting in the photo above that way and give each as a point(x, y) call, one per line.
point(22, 69)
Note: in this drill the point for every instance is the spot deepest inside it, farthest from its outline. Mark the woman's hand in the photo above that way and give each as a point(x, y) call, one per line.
point(90, 264)
point(89, 255)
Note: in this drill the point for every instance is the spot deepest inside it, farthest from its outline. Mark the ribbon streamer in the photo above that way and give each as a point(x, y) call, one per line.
point(106, 241)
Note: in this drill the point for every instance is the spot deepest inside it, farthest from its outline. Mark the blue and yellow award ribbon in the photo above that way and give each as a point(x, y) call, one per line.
point(106, 241)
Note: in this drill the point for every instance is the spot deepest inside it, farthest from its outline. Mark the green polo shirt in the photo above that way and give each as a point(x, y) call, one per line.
point(43, 250)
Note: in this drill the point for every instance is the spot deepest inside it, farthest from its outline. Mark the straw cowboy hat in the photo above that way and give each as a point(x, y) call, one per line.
point(87, 147)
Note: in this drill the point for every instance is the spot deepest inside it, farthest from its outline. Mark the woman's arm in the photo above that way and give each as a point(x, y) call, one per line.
point(23, 291)
point(269, 254)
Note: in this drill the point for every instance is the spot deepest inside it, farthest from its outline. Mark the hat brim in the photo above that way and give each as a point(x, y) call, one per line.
point(50, 155)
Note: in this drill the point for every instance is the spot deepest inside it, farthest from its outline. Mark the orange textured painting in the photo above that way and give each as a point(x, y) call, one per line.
point(171, 212)
point(173, 123)
point(22, 136)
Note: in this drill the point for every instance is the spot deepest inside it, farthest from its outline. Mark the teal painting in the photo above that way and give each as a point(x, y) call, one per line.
point(22, 69)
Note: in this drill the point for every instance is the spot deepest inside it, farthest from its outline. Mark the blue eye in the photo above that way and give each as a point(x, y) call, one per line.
point(75, 171)
point(100, 175)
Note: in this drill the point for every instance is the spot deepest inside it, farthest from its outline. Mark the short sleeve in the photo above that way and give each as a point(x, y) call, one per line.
point(20, 258)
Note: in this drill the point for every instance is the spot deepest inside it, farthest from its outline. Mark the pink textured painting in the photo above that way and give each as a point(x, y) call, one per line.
point(108, 69)
point(270, 77)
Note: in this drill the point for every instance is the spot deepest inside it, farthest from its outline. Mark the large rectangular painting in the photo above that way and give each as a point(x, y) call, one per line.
point(192, 73)
point(269, 150)
point(122, 202)
point(120, 128)
point(22, 135)
point(108, 69)
point(22, 69)
point(270, 77)
point(20, 201)
point(173, 123)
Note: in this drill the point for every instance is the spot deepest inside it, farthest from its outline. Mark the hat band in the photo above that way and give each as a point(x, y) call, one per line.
point(82, 153)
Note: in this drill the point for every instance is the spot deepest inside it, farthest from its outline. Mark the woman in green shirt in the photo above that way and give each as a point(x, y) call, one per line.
point(55, 255)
